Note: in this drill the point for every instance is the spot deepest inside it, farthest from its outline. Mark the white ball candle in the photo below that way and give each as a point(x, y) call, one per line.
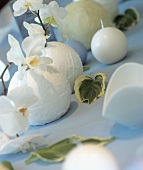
point(90, 157)
point(109, 45)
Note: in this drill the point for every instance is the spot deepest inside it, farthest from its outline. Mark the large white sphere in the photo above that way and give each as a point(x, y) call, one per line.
point(90, 157)
point(83, 20)
point(51, 88)
point(109, 45)
point(66, 60)
point(110, 5)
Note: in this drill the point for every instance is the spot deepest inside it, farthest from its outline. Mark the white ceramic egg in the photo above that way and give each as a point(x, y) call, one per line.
point(66, 60)
point(51, 88)
point(124, 96)
point(90, 157)
point(109, 45)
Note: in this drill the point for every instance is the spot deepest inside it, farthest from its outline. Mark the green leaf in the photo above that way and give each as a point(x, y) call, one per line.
point(124, 22)
point(88, 89)
point(133, 13)
point(130, 18)
point(57, 152)
point(6, 165)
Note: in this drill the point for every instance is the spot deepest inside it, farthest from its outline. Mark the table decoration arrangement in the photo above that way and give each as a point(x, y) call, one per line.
point(34, 81)
point(45, 78)
point(82, 23)
point(57, 152)
point(48, 72)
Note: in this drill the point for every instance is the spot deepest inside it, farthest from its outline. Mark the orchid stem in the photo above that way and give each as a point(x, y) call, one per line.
point(2, 78)
point(38, 15)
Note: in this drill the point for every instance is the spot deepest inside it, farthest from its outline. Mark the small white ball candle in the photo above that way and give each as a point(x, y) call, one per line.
point(109, 45)
point(90, 157)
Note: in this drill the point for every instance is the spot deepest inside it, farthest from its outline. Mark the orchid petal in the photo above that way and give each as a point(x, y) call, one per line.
point(6, 105)
point(52, 13)
point(57, 12)
point(45, 11)
point(12, 41)
point(17, 144)
point(3, 139)
point(15, 54)
point(22, 97)
point(20, 12)
point(35, 4)
point(33, 45)
point(13, 123)
point(53, 5)
point(21, 72)
point(33, 28)
point(18, 5)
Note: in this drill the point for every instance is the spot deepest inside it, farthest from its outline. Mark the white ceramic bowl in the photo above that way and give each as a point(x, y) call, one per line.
point(123, 100)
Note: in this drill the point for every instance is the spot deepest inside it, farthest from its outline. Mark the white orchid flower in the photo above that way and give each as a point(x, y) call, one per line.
point(32, 47)
point(14, 110)
point(23, 143)
point(34, 29)
point(21, 6)
point(52, 13)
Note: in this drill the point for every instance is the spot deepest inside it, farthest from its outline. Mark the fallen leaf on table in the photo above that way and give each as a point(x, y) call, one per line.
point(57, 152)
point(88, 89)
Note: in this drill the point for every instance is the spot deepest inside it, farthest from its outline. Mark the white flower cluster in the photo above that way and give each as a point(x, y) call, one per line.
point(14, 107)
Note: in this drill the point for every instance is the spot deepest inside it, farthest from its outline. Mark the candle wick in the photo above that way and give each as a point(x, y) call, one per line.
point(101, 22)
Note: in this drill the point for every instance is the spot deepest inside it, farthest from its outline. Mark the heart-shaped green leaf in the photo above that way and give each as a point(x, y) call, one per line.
point(124, 22)
point(130, 18)
point(132, 12)
point(57, 152)
point(88, 89)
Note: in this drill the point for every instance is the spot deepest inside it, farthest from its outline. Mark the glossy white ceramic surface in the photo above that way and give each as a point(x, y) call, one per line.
point(109, 45)
point(124, 96)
